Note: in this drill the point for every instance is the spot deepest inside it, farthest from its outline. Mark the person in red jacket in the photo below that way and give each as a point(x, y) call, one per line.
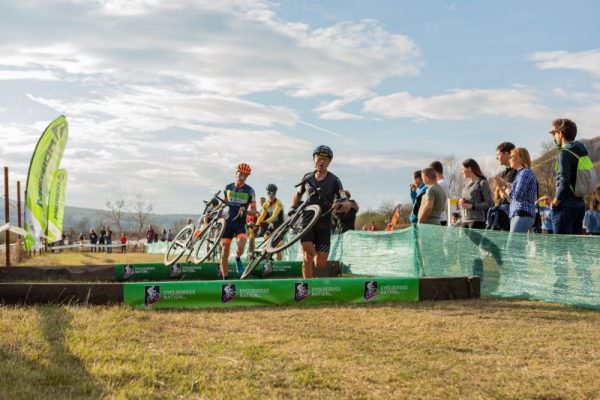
point(123, 243)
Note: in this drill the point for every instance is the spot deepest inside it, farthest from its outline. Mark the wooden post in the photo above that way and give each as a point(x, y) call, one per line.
point(19, 251)
point(19, 223)
point(7, 216)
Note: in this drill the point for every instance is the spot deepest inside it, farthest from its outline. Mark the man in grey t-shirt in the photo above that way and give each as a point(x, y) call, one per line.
point(439, 174)
point(434, 200)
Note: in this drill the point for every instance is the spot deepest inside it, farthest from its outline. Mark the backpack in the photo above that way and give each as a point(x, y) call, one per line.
point(586, 179)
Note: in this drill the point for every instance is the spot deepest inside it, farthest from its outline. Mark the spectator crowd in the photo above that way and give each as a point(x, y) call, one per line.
point(511, 200)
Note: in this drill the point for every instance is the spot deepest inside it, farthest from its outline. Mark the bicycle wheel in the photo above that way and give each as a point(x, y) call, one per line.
point(179, 245)
point(252, 266)
point(296, 226)
point(208, 241)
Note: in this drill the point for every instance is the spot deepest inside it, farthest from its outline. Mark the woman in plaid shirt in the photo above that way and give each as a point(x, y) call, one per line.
point(523, 193)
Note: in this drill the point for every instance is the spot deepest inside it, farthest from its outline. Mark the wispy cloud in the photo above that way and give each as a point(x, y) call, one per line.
point(41, 75)
point(586, 61)
point(459, 104)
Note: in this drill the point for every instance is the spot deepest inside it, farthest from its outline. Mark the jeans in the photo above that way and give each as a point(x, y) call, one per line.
point(521, 224)
point(568, 220)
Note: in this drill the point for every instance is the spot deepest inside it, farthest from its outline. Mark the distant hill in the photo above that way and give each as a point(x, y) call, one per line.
point(592, 146)
point(80, 218)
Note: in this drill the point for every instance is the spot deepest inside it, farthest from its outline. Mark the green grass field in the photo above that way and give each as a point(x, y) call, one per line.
point(473, 349)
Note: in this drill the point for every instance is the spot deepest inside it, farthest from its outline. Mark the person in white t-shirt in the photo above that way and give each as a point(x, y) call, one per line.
point(439, 172)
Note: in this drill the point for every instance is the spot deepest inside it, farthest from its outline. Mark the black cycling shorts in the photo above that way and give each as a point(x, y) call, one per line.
point(320, 236)
point(234, 228)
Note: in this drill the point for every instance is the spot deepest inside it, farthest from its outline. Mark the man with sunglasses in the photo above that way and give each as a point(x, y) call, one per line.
point(568, 210)
point(316, 241)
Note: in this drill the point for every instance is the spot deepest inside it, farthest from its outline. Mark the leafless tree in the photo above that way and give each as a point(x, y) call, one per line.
point(141, 209)
point(544, 170)
point(387, 209)
point(117, 210)
point(453, 175)
point(547, 147)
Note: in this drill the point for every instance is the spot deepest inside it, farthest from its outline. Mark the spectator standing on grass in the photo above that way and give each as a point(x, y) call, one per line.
point(123, 243)
point(568, 210)
point(545, 214)
point(93, 240)
point(497, 217)
point(163, 236)
point(503, 151)
point(455, 219)
point(441, 181)
point(591, 219)
point(102, 239)
point(372, 227)
point(434, 200)
point(150, 234)
point(476, 197)
point(170, 235)
point(522, 193)
point(109, 240)
point(417, 190)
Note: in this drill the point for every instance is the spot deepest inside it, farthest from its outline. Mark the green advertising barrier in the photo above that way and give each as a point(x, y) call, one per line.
point(249, 293)
point(204, 271)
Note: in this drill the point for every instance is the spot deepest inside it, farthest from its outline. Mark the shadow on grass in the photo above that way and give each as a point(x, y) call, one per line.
point(56, 372)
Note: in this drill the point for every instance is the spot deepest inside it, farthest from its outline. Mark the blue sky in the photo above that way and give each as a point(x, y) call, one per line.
point(164, 98)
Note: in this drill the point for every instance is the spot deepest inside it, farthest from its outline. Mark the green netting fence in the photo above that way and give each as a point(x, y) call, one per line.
point(557, 268)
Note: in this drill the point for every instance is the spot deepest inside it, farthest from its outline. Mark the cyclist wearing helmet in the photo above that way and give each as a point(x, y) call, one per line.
point(316, 241)
point(272, 213)
point(241, 201)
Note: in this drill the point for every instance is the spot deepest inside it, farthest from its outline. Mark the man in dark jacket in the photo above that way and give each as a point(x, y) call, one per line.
point(568, 210)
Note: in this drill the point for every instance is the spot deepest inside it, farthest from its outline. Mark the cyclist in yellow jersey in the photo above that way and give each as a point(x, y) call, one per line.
point(272, 213)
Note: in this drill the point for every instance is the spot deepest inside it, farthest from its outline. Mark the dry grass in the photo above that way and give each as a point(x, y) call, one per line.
point(85, 258)
point(449, 350)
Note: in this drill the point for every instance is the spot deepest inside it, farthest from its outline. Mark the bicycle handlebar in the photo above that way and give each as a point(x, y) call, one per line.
point(304, 181)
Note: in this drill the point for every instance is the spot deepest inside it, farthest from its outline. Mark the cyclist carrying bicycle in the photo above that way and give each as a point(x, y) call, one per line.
point(271, 214)
point(316, 241)
point(241, 201)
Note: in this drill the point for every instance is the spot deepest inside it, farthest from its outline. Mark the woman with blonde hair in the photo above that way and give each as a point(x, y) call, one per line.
point(523, 192)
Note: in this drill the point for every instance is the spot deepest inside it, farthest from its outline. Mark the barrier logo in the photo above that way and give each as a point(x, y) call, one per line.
point(128, 271)
point(301, 291)
point(175, 270)
point(151, 294)
point(370, 290)
point(228, 292)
